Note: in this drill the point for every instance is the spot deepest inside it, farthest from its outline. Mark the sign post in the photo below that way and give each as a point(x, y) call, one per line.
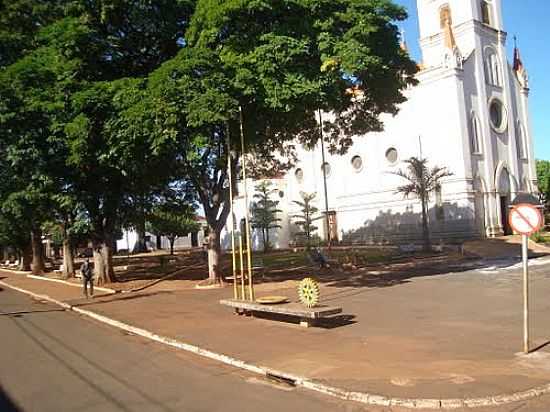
point(525, 218)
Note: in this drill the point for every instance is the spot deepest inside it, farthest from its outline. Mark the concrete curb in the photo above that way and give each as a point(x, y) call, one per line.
point(112, 291)
point(14, 271)
point(361, 397)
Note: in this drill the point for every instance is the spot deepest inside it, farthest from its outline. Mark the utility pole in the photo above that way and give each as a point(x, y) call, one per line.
point(329, 235)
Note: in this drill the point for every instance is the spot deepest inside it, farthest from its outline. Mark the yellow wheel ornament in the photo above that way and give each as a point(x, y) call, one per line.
point(308, 292)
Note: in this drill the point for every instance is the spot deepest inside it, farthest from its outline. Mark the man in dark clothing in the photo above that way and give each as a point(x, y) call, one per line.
point(317, 258)
point(87, 277)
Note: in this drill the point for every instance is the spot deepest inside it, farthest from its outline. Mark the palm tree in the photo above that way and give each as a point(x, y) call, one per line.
point(264, 212)
point(422, 181)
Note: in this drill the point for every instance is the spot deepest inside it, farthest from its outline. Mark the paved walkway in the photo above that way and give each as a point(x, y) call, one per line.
point(416, 333)
point(503, 246)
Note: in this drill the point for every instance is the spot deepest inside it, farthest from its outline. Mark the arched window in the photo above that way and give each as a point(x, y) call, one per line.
point(520, 141)
point(475, 135)
point(486, 12)
point(444, 15)
point(492, 68)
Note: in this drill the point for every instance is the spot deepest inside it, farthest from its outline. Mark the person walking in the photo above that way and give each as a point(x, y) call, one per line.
point(87, 277)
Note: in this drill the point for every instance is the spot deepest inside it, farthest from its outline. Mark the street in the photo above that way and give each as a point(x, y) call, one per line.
point(55, 361)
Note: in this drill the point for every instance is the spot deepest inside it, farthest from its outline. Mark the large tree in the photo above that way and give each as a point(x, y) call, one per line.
point(173, 218)
point(268, 67)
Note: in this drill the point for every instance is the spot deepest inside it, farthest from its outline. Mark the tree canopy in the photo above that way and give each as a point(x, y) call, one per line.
point(109, 102)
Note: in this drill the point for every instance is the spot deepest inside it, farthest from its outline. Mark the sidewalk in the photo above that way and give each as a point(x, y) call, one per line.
point(437, 336)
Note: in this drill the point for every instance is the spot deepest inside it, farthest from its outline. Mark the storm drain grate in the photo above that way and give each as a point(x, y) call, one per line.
point(281, 379)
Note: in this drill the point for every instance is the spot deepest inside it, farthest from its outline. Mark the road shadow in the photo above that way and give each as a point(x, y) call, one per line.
point(331, 322)
point(119, 297)
point(6, 403)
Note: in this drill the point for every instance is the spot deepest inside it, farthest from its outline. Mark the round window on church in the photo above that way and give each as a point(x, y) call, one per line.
point(357, 163)
point(326, 168)
point(299, 174)
point(497, 113)
point(391, 155)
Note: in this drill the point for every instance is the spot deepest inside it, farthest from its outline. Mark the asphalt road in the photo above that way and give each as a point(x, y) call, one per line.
point(52, 360)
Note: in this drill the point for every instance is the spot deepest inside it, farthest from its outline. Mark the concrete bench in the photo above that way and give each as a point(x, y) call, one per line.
point(307, 316)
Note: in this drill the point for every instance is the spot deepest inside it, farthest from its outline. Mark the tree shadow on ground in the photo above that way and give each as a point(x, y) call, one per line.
point(6, 403)
point(448, 223)
point(391, 274)
point(117, 298)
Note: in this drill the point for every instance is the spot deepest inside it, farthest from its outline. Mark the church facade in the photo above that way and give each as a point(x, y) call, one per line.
point(468, 113)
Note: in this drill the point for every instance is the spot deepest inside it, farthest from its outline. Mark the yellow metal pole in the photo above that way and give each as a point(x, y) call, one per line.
point(242, 266)
point(246, 217)
point(235, 288)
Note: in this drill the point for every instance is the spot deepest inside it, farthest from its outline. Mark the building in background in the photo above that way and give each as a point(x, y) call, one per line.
point(468, 113)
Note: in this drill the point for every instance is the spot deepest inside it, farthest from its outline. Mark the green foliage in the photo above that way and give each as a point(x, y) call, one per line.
point(543, 177)
point(538, 237)
point(105, 104)
point(19, 22)
point(173, 218)
point(264, 211)
point(308, 215)
point(276, 54)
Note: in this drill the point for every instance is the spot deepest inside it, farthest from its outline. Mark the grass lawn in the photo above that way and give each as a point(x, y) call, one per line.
point(290, 259)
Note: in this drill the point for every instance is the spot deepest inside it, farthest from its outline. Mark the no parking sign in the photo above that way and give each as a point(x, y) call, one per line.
point(525, 219)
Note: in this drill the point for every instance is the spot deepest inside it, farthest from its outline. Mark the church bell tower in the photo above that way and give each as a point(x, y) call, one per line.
point(465, 39)
point(467, 21)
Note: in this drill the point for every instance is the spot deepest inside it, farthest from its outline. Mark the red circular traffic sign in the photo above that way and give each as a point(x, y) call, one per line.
point(525, 219)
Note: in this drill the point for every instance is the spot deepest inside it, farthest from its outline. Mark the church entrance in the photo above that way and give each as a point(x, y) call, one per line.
point(504, 190)
point(504, 210)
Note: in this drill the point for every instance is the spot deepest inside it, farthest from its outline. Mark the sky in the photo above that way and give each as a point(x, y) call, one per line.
point(529, 20)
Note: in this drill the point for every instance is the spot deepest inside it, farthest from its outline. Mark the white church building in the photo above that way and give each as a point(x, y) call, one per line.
point(469, 113)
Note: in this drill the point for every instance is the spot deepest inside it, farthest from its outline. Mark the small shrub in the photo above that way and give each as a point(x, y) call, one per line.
point(537, 237)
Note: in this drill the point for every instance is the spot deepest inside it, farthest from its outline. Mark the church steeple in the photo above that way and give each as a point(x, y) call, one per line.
point(403, 41)
point(519, 68)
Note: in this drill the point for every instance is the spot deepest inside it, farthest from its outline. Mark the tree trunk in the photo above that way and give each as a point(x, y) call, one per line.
point(266, 240)
point(37, 266)
point(140, 246)
point(172, 240)
point(214, 255)
point(68, 259)
point(107, 255)
point(425, 230)
point(25, 258)
point(159, 242)
point(99, 266)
